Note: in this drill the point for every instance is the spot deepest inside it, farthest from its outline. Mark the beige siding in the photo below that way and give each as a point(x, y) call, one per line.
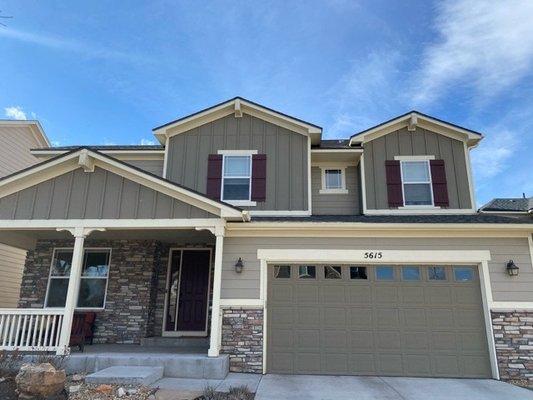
point(286, 152)
point(246, 285)
point(336, 204)
point(420, 142)
point(11, 269)
point(15, 145)
point(152, 166)
point(100, 194)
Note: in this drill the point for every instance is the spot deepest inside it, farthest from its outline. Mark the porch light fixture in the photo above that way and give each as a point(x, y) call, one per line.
point(512, 268)
point(239, 265)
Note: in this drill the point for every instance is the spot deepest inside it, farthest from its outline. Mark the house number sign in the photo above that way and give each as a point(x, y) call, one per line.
point(373, 255)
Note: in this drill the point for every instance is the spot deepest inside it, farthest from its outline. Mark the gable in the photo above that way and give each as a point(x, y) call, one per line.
point(97, 195)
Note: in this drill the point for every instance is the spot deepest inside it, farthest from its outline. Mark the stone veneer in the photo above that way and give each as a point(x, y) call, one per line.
point(513, 334)
point(135, 293)
point(242, 339)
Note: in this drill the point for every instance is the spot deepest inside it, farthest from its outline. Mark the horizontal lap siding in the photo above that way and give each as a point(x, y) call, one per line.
point(95, 195)
point(504, 288)
point(336, 204)
point(11, 269)
point(286, 152)
point(420, 142)
point(15, 145)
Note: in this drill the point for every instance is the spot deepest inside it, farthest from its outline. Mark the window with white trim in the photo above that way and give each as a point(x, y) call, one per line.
point(236, 178)
point(333, 180)
point(416, 183)
point(93, 283)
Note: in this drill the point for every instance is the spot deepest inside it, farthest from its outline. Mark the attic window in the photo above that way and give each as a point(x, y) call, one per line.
point(333, 180)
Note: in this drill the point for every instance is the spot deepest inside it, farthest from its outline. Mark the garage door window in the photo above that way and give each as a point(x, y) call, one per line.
point(332, 272)
point(358, 273)
point(282, 271)
point(463, 274)
point(437, 273)
point(384, 273)
point(411, 273)
point(306, 272)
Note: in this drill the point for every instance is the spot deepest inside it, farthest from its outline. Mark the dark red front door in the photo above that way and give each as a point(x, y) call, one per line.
point(194, 285)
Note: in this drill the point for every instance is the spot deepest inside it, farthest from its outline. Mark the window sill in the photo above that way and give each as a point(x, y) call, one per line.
point(237, 203)
point(418, 208)
point(333, 191)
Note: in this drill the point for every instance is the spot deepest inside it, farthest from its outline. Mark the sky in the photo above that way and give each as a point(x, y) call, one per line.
point(107, 72)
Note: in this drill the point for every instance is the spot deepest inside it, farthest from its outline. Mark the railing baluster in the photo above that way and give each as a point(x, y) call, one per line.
point(39, 342)
point(23, 334)
point(47, 327)
point(17, 331)
point(2, 324)
point(6, 330)
point(34, 331)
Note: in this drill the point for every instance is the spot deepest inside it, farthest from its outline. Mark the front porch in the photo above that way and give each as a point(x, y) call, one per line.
point(152, 291)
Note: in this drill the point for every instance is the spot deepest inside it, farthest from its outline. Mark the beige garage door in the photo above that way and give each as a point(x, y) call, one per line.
point(376, 320)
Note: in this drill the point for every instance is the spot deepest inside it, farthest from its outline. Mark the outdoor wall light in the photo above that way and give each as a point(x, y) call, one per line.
point(239, 265)
point(512, 268)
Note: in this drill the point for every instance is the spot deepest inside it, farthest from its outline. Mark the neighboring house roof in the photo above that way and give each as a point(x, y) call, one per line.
point(333, 144)
point(105, 147)
point(512, 205)
point(238, 106)
point(403, 219)
point(35, 127)
point(88, 158)
point(412, 119)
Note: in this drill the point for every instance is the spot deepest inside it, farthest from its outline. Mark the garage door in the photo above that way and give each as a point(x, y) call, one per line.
point(376, 320)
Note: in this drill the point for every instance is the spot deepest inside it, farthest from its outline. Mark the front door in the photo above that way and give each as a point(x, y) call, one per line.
point(187, 293)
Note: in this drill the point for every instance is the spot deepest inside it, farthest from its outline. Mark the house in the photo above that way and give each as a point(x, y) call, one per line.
point(16, 140)
point(519, 206)
point(290, 253)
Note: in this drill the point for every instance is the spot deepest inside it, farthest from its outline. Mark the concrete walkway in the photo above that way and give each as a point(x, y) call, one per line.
point(220, 385)
point(307, 387)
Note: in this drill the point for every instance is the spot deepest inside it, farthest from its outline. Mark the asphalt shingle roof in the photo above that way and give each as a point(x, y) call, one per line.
point(520, 204)
point(105, 147)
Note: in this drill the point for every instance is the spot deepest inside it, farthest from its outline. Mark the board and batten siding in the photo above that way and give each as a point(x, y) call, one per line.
point(152, 166)
point(94, 195)
point(336, 204)
point(504, 288)
point(286, 151)
point(11, 268)
point(417, 143)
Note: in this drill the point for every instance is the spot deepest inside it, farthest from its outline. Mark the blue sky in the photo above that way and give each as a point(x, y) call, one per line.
point(107, 72)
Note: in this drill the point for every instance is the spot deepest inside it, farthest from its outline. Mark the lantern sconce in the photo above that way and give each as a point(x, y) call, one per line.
point(239, 265)
point(512, 268)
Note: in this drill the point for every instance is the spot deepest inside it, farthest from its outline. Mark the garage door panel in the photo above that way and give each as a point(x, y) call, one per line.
point(370, 327)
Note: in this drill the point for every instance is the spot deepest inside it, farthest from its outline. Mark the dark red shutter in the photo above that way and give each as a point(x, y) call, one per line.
point(259, 170)
point(440, 185)
point(214, 176)
point(394, 183)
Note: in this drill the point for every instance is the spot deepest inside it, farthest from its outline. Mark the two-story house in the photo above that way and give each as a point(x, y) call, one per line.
point(284, 252)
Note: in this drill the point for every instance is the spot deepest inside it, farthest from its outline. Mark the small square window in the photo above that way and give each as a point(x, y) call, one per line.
point(385, 273)
point(410, 273)
point(463, 274)
point(437, 273)
point(306, 272)
point(358, 273)
point(333, 179)
point(282, 271)
point(332, 272)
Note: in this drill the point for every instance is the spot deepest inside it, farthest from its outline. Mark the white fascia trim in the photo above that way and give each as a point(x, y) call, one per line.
point(530, 242)
point(165, 158)
point(363, 184)
point(503, 212)
point(280, 213)
point(418, 210)
point(40, 152)
point(470, 176)
point(255, 303)
point(111, 224)
point(388, 256)
point(237, 152)
point(355, 150)
point(309, 179)
point(511, 305)
point(414, 158)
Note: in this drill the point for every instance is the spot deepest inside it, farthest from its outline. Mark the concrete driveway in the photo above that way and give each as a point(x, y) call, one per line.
point(315, 387)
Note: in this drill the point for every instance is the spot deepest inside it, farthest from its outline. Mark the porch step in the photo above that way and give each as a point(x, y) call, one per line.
point(189, 342)
point(174, 365)
point(126, 375)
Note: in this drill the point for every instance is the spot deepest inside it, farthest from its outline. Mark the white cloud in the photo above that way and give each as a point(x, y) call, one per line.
point(490, 158)
point(15, 112)
point(484, 45)
point(147, 142)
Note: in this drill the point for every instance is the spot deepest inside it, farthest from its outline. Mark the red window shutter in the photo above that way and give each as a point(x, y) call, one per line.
point(259, 169)
point(394, 183)
point(214, 176)
point(440, 185)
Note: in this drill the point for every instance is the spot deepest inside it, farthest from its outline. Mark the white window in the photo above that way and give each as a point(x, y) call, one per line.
point(237, 177)
point(333, 180)
point(416, 183)
point(93, 284)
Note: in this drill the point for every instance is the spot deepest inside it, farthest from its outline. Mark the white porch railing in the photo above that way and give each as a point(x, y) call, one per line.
point(30, 329)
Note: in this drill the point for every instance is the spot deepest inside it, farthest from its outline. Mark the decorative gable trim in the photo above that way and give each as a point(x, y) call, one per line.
point(88, 159)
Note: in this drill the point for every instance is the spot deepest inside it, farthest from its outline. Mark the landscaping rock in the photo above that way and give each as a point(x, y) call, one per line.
point(40, 380)
point(77, 378)
point(74, 388)
point(104, 389)
point(121, 392)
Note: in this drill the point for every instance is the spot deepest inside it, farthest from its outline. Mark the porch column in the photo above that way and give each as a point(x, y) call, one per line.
point(215, 336)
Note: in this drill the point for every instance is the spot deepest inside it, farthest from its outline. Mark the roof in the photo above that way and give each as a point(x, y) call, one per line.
point(403, 219)
point(34, 125)
point(333, 144)
point(519, 204)
point(104, 147)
